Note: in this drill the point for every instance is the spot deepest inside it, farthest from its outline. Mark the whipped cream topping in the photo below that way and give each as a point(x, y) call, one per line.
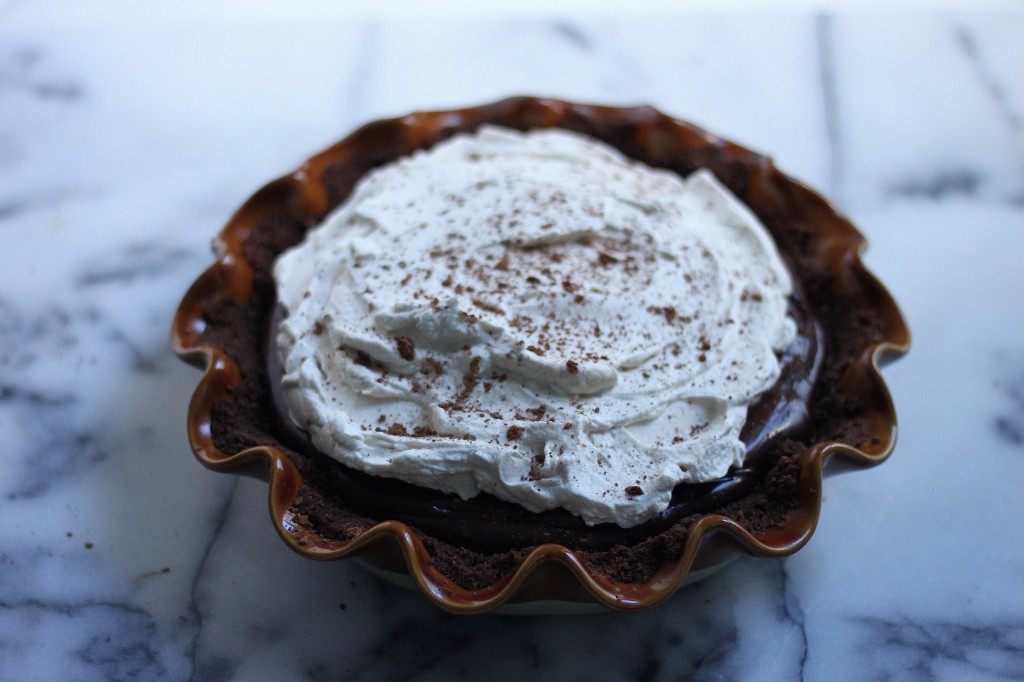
point(537, 317)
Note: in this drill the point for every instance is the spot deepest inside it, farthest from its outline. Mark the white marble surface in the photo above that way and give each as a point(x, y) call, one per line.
point(126, 140)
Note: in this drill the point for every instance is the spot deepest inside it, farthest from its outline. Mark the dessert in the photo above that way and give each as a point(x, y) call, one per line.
point(463, 364)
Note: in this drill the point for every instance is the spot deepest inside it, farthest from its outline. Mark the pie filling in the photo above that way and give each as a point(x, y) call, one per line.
point(515, 339)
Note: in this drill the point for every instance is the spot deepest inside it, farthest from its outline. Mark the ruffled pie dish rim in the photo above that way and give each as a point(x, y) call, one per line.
point(550, 572)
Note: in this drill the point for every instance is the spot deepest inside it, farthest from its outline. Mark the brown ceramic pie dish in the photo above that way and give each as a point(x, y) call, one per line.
point(475, 555)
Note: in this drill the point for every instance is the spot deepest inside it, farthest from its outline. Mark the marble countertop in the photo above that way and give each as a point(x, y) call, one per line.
point(127, 139)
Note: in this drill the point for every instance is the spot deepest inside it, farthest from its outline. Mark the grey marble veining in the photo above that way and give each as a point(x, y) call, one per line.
point(125, 144)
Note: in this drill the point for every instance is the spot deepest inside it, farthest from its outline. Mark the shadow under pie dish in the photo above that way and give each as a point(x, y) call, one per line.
point(475, 553)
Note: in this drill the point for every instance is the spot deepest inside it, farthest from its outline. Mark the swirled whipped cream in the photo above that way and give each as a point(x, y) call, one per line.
point(537, 317)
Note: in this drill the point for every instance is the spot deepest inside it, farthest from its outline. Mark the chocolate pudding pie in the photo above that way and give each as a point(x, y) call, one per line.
point(538, 350)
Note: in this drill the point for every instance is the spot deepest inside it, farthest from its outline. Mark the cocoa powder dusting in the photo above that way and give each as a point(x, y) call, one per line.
point(406, 348)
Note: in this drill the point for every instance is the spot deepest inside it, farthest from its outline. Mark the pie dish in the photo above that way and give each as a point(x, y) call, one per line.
point(479, 554)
